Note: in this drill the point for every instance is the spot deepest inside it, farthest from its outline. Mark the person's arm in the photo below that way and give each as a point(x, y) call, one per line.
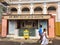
point(46, 35)
point(38, 32)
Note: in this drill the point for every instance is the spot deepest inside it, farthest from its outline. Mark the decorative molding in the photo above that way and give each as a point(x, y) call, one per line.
point(18, 2)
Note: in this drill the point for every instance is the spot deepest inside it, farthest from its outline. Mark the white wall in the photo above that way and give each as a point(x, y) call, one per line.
point(58, 12)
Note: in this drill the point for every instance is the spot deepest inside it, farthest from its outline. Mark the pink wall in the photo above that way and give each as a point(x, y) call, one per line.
point(4, 27)
point(51, 27)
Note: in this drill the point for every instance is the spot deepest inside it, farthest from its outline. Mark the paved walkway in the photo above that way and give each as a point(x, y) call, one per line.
point(21, 40)
point(11, 41)
point(18, 40)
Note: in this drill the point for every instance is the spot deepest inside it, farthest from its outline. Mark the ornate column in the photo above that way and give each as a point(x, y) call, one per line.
point(44, 8)
point(8, 9)
point(19, 9)
point(31, 9)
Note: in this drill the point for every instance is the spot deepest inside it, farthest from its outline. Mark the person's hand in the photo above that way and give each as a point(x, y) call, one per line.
point(47, 37)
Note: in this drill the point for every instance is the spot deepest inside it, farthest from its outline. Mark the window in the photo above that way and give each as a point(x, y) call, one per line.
point(4, 10)
point(13, 9)
point(25, 9)
point(52, 8)
point(38, 9)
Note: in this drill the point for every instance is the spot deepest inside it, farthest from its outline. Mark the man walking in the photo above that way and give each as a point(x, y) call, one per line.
point(40, 33)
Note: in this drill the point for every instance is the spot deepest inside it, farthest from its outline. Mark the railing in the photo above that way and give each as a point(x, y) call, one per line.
point(23, 0)
point(30, 0)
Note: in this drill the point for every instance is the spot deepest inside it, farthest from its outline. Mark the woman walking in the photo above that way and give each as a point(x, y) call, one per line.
point(45, 38)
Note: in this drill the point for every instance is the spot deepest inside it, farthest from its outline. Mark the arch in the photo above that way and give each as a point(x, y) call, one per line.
point(13, 9)
point(38, 9)
point(51, 8)
point(25, 9)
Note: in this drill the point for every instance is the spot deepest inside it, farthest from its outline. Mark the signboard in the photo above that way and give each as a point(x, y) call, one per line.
point(27, 17)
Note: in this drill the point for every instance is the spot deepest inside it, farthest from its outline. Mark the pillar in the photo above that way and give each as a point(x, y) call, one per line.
point(4, 27)
point(19, 9)
point(44, 8)
point(58, 10)
point(31, 9)
point(57, 26)
point(51, 27)
point(8, 9)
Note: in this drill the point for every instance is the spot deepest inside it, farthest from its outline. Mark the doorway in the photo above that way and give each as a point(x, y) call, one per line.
point(44, 23)
point(30, 25)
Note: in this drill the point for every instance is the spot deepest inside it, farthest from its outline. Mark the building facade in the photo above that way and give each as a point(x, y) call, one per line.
point(2, 10)
point(29, 14)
